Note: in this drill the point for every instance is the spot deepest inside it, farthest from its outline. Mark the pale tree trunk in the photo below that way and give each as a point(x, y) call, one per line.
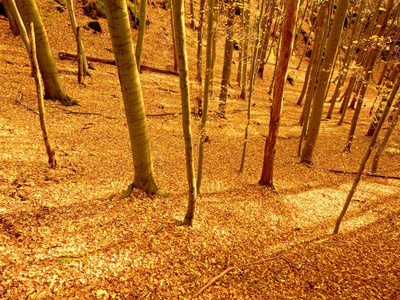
point(20, 24)
point(382, 145)
point(206, 92)
point(200, 42)
point(251, 86)
point(318, 103)
point(246, 10)
point(379, 110)
point(180, 37)
point(226, 70)
point(322, 31)
point(142, 30)
point(351, 45)
point(241, 43)
point(366, 155)
point(74, 25)
point(173, 35)
point(214, 45)
point(278, 47)
point(39, 89)
point(11, 17)
point(51, 80)
point(287, 32)
point(120, 32)
point(265, 41)
point(373, 54)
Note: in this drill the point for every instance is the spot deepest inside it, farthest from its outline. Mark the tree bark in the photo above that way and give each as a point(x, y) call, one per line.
point(180, 37)
point(120, 32)
point(206, 92)
point(330, 51)
point(226, 70)
point(142, 30)
point(39, 89)
point(366, 155)
point(288, 28)
point(51, 80)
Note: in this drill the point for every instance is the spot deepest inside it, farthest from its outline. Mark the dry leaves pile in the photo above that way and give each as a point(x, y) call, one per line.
point(64, 235)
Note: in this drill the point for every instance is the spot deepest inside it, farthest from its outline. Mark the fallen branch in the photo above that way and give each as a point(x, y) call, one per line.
point(19, 101)
point(69, 56)
point(367, 174)
point(226, 271)
point(81, 113)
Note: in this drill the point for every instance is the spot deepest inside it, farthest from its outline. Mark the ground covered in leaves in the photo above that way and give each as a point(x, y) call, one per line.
point(64, 233)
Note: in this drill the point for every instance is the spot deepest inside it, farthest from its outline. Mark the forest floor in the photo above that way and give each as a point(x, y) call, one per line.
point(64, 234)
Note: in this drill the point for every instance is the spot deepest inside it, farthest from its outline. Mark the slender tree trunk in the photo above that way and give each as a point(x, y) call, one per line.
point(366, 155)
point(180, 37)
point(330, 51)
point(265, 53)
point(192, 16)
point(245, 49)
point(142, 30)
point(226, 70)
point(382, 145)
point(11, 17)
point(353, 41)
point(241, 45)
point(251, 88)
point(80, 54)
point(39, 89)
point(74, 25)
point(200, 42)
point(120, 32)
point(173, 35)
point(206, 93)
point(284, 59)
point(214, 45)
point(278, 47)
point(378, 113)
point(21, 26)
point(51, 80)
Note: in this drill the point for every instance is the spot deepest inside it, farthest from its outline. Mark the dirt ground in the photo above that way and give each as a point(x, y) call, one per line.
point(64, 234)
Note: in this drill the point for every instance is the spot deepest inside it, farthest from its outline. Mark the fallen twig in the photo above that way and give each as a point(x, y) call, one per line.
point(215, 279)
point(367, 174)
point(69, 56)
point(19, 101)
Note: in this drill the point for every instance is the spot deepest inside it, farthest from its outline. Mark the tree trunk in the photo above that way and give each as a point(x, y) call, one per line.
point(11, 17)
point(20, 24)
point(226, 70)
point(366, 155)
point(284, 59)
point(74, 25)
point(330, 51)
point(251, 87)
point(246, 10)
point(206, 92)
point(200, 42)
point(180, 37)
point(142, 30)
point(39, 89)
point(214, 45)
point(52, 84)
point(120, 32)
point(393, 121)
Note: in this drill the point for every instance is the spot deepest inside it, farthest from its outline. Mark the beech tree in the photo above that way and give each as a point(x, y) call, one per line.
point(180, 36)
point(288, 28)
point(51, 80)
point(120, 32)
point(226, 70)
point(319, 96)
